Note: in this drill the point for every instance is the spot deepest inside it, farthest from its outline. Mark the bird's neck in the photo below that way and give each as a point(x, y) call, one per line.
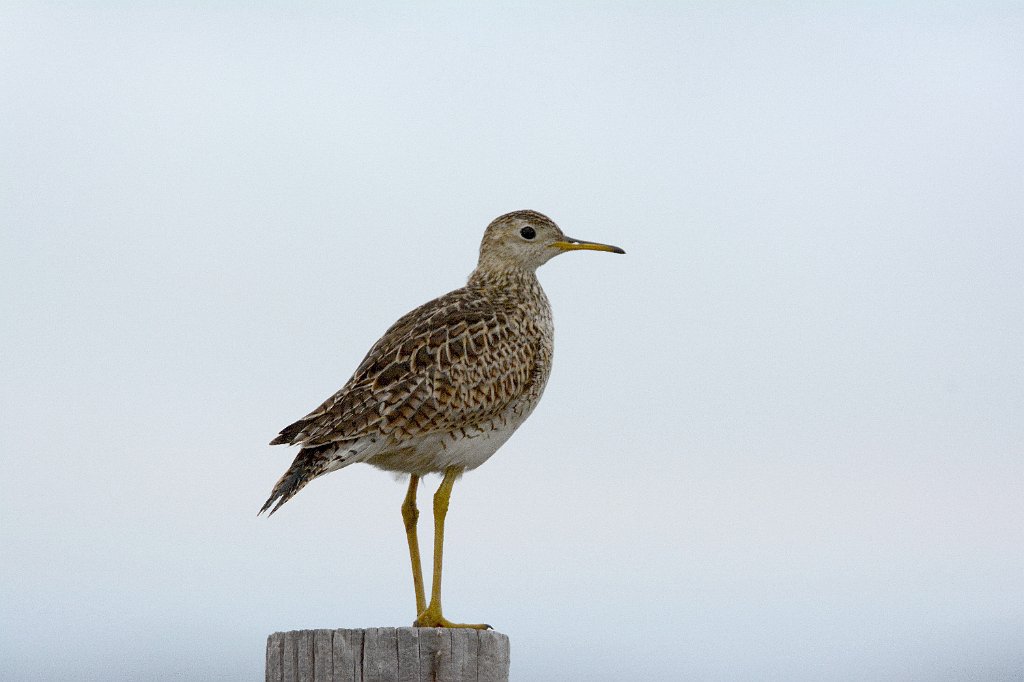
point(505, 280)
point(518, 293)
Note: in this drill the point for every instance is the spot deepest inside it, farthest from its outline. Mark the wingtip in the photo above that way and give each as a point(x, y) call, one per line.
point(289, 434)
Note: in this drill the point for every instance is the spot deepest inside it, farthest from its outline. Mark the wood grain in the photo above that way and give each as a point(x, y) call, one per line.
point(388, 655)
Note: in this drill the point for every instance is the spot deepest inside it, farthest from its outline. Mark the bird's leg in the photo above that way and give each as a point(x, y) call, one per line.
point(441, 500)
point(431, 617)
point(410, 514)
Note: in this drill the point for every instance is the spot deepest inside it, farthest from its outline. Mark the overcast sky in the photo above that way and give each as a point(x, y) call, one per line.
point(784, 435)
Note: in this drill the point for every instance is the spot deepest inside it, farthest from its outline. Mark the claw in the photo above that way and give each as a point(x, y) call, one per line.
point(433, 619)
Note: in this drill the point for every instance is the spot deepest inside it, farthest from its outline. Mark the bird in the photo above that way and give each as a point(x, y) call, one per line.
point(444, 387)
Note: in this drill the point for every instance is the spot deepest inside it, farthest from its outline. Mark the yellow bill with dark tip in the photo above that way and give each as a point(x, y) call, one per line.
point(570, 244)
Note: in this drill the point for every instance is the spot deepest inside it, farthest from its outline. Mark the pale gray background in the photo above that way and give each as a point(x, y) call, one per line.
point(783, 438)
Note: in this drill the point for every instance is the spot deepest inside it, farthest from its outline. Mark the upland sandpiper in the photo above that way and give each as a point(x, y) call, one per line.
point(445, 386)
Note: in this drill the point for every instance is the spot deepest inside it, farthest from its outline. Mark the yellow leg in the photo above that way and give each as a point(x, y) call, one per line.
point(431, 617)
point(410, 515)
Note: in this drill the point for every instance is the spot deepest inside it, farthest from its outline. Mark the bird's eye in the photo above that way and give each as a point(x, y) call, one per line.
point(528, 232)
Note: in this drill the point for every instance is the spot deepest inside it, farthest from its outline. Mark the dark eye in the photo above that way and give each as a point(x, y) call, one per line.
point(528, 232)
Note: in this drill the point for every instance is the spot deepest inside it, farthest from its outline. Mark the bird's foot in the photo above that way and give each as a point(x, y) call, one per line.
point(432, 618)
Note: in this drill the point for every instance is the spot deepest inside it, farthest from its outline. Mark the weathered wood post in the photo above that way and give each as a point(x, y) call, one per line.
point(388, 655)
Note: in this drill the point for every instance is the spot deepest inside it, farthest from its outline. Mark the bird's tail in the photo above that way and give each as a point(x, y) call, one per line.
point(308, 464)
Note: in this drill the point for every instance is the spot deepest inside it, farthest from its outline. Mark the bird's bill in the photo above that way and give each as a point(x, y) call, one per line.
point(570, 244)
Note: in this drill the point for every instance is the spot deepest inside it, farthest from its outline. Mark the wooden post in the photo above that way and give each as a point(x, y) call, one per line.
point(388, 655)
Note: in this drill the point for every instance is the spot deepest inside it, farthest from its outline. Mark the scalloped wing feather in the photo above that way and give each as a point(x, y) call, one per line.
point(453, 363)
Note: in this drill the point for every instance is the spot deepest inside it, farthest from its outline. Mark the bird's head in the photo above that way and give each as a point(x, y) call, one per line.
point(525, 240)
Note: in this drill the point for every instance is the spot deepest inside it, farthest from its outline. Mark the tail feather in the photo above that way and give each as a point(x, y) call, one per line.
point(308, 464)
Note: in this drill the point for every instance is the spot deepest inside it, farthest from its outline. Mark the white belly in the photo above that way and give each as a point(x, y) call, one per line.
point(438, 452)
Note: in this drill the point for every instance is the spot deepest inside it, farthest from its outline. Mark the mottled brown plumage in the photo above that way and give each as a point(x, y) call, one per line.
point(457, 362)
point(449, 381)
